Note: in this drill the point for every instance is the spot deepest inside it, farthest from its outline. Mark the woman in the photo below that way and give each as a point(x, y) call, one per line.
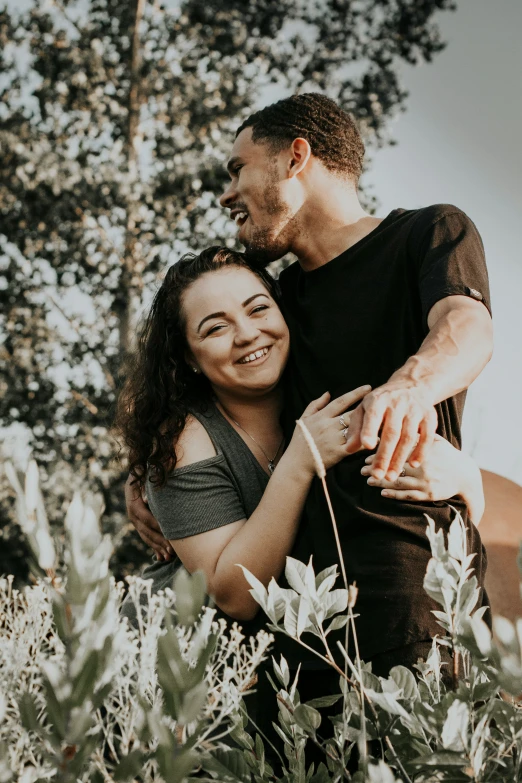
point(200, 417)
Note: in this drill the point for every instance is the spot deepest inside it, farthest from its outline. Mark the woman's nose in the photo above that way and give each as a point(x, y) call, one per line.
point(246, 332)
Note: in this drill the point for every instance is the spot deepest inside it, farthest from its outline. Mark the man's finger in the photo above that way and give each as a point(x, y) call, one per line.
point(427, 432)
point(345, 401)
point(401, 494)
point(404, 447)
point(152, 537)
point(374, 416)
point(390, 436)
point(403, 482)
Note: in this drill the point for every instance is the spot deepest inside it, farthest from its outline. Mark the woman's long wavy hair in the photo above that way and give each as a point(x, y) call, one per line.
point(160, 388)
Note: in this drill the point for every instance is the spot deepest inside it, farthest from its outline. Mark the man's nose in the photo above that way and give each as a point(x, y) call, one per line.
point(228, 197)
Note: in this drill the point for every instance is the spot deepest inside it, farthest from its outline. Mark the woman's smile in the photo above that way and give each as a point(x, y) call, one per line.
point(256, 357)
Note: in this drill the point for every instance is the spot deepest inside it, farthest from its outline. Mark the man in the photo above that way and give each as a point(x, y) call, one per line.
point(401, 303)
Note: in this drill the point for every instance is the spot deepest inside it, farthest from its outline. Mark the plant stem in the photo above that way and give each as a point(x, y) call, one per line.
point(336, 533)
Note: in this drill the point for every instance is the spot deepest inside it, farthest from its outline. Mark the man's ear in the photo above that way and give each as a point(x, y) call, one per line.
point(300, 155)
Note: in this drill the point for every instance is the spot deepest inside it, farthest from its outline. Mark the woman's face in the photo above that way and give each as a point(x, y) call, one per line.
point(236, 334)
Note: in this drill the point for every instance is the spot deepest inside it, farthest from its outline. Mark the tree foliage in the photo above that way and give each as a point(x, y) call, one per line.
point(116, 118)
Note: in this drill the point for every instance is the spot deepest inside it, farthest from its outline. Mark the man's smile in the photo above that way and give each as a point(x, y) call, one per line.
point(239, 216)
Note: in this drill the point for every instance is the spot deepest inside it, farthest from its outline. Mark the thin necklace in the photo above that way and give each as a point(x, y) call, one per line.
point(271, 462)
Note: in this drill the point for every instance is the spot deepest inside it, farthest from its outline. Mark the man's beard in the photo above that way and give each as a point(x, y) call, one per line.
point(264, 245)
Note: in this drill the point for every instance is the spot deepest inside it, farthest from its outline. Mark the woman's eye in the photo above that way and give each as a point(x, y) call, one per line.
point(259, 309)
point(215, 329)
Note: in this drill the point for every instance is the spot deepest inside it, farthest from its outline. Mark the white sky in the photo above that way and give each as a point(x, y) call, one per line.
point(459, 142)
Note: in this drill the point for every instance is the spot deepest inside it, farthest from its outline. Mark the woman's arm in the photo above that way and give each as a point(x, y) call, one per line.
point(446, 472)
point(262, 542)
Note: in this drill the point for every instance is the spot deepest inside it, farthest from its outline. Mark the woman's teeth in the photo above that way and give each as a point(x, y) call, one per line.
point(240, 218)
point(252, 356)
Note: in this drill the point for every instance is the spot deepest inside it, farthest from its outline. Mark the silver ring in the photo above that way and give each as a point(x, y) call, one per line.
point(343, 423)
point(402, 473)
point(344, 433)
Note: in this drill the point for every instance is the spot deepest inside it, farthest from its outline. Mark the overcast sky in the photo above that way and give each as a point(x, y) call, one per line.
point(459, 142)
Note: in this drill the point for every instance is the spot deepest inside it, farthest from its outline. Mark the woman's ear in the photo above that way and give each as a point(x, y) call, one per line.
point(192, 363)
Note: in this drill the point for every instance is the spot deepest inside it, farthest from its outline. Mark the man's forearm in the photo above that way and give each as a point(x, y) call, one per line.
point(455, 351)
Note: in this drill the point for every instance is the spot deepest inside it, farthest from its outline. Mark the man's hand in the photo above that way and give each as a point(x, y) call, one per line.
point(146, 525)
point(401, 420)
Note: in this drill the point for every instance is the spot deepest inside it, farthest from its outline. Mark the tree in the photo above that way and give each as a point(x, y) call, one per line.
point(116, 118)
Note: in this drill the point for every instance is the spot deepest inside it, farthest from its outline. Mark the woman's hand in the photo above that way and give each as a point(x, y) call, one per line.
point(323, 420)
point(444, 473)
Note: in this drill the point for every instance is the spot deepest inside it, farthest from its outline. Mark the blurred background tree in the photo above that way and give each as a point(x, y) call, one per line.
point(115, 121)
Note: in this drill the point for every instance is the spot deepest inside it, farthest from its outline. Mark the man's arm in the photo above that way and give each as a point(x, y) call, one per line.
point(455, 351)
point(146, 525)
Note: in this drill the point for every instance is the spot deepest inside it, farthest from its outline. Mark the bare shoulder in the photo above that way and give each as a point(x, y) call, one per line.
point(194, 444)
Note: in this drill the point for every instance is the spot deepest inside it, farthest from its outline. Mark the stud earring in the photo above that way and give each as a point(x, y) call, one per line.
point(195, 369)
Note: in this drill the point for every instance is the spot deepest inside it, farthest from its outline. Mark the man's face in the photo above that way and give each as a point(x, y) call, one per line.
point(259, 200)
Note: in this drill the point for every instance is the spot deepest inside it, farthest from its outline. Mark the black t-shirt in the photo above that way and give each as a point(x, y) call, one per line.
point(355, 321)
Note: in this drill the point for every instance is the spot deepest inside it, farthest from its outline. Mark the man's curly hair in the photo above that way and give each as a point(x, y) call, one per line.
point(331, 132)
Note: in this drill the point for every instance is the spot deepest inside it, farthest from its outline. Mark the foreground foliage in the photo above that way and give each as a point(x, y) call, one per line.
point(86, 698)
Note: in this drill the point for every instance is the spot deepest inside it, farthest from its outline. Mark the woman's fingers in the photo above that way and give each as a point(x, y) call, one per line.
point(316, 405)
point(345, 401)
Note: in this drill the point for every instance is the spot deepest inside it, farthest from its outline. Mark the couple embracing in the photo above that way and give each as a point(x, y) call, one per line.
point(372, 337)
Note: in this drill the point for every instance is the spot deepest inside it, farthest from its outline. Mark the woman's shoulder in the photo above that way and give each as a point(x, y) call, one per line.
point(194, 444)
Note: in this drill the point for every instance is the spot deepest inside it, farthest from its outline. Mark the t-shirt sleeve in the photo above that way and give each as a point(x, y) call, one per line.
point(451, 259)
point(195, 499)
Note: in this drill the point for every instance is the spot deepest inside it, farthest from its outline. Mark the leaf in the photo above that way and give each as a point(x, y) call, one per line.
point(258, 591)
point(175, 768)
point(335, 601)
point(290, 618)
point(282, 671)
point(322, 775)
point(307, 718)
point(324, 701)
point(326, 575)
point(455, 730)
point(337, 623)
point(277, 599)
point(190, 593)
point(29, 712)
point(388, 702)
point(193, 702)
point(380, 773)
point(295, 573)
point(130, 766)
point(229, 764)
point(303, 616)
point(405, 680)
point(85, 683)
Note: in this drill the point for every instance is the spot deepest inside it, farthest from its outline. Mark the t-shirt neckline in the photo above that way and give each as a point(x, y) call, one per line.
point(355, 247)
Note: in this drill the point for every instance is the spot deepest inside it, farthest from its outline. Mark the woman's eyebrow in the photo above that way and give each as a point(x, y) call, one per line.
point(221, 314)
point(251, 298)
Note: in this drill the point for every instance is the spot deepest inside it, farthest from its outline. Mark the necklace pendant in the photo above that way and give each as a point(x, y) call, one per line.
point(271, 466)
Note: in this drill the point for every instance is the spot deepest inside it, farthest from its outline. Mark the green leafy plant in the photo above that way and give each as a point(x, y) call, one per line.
point(87, 698)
